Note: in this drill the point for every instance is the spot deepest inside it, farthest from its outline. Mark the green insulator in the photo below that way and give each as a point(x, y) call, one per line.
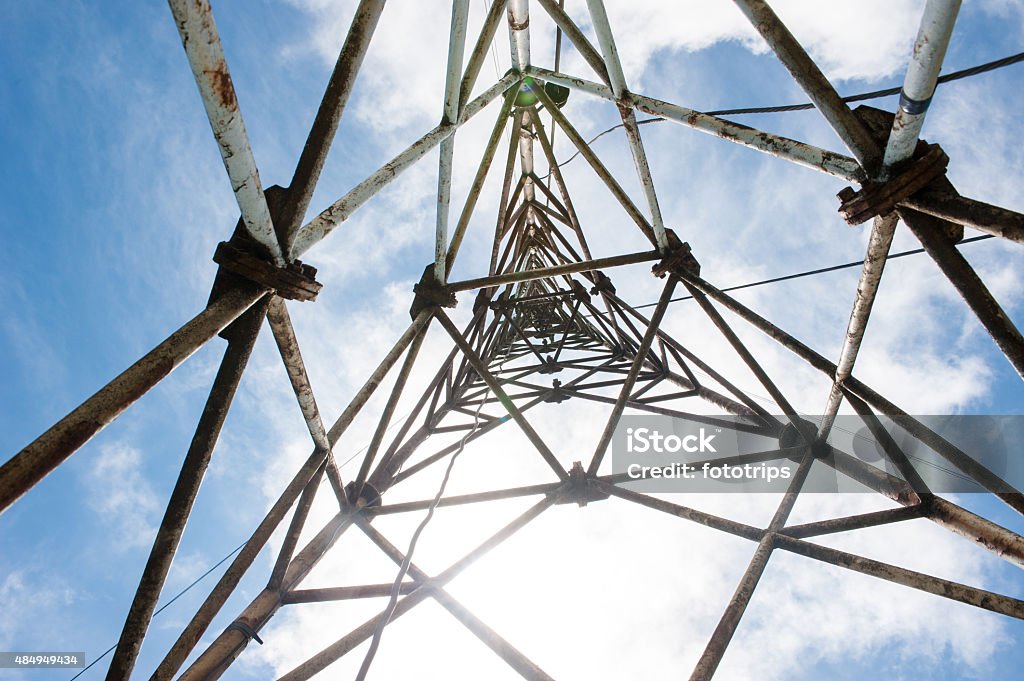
point(527, 95)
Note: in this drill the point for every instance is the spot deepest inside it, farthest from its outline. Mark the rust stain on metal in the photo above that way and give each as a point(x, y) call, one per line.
point(220, 82)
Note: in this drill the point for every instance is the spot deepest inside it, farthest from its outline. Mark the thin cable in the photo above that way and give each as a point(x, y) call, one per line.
point(875, 94)
point(494, 54)
point(956, 75)
point(553, 128)
point(165, 605)
point(396, 587)
point(823, 270)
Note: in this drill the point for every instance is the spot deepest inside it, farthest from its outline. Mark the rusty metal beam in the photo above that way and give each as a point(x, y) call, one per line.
point(236, 357)
point(576, 37)
point(726, 628)
point(288, 346)
point(190, 636)
point(517, 276)
point(969, 285)
point(961, 210)
point(519, 33)
point(194, 19)
point(505, 650)
point(617, 79)
point(1004, 543)
point(854, 522)
point(449, 115)
point(595, 163)
point(389, 410)
point(462, 499)
point(483, 43)
point(929, 51)
point(504, 203)
point(329, 219)
point(944, 448)
point(813, 82)
point(979, 598)
point(39, 458)
point(478, 180)
point(344, 593)
point(918, 85)
point(630, 380)
point(796, 152)
point(883, 230)
point(232, 641)
point(700, 517)
point(755, 368)
point(328, 117)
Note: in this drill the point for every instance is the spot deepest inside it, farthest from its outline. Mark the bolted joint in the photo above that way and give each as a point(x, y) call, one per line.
point(549, 365)
point(881, 198)
point(243, 261)
point(294, 281)
point(579, 488)
point(430, 293)
point(602, 283)
point(558, 394)
point(482, 300)
point(502, 303)
point(678, 258)
point(580, 292)
point(803, 433)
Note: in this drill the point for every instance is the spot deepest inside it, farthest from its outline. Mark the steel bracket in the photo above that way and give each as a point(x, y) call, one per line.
point(677, 258)
point(501, 303)
point(557, 394)
point(580, 292)
point(549, 366)
point(579, 489)
point(295, 281)
point(874, 199)
point(602, 283)
point(430, 293)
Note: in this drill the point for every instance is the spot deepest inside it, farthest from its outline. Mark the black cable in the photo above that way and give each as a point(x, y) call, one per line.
point(956, 75)
point(822, 270)
point(875, 94)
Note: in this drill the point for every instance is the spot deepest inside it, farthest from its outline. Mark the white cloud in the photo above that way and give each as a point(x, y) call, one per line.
point(123, 498)
point(865, 40)
point(874, 42)
point(22, 593)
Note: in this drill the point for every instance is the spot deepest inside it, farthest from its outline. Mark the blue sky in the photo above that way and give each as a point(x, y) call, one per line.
point(115, 198)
